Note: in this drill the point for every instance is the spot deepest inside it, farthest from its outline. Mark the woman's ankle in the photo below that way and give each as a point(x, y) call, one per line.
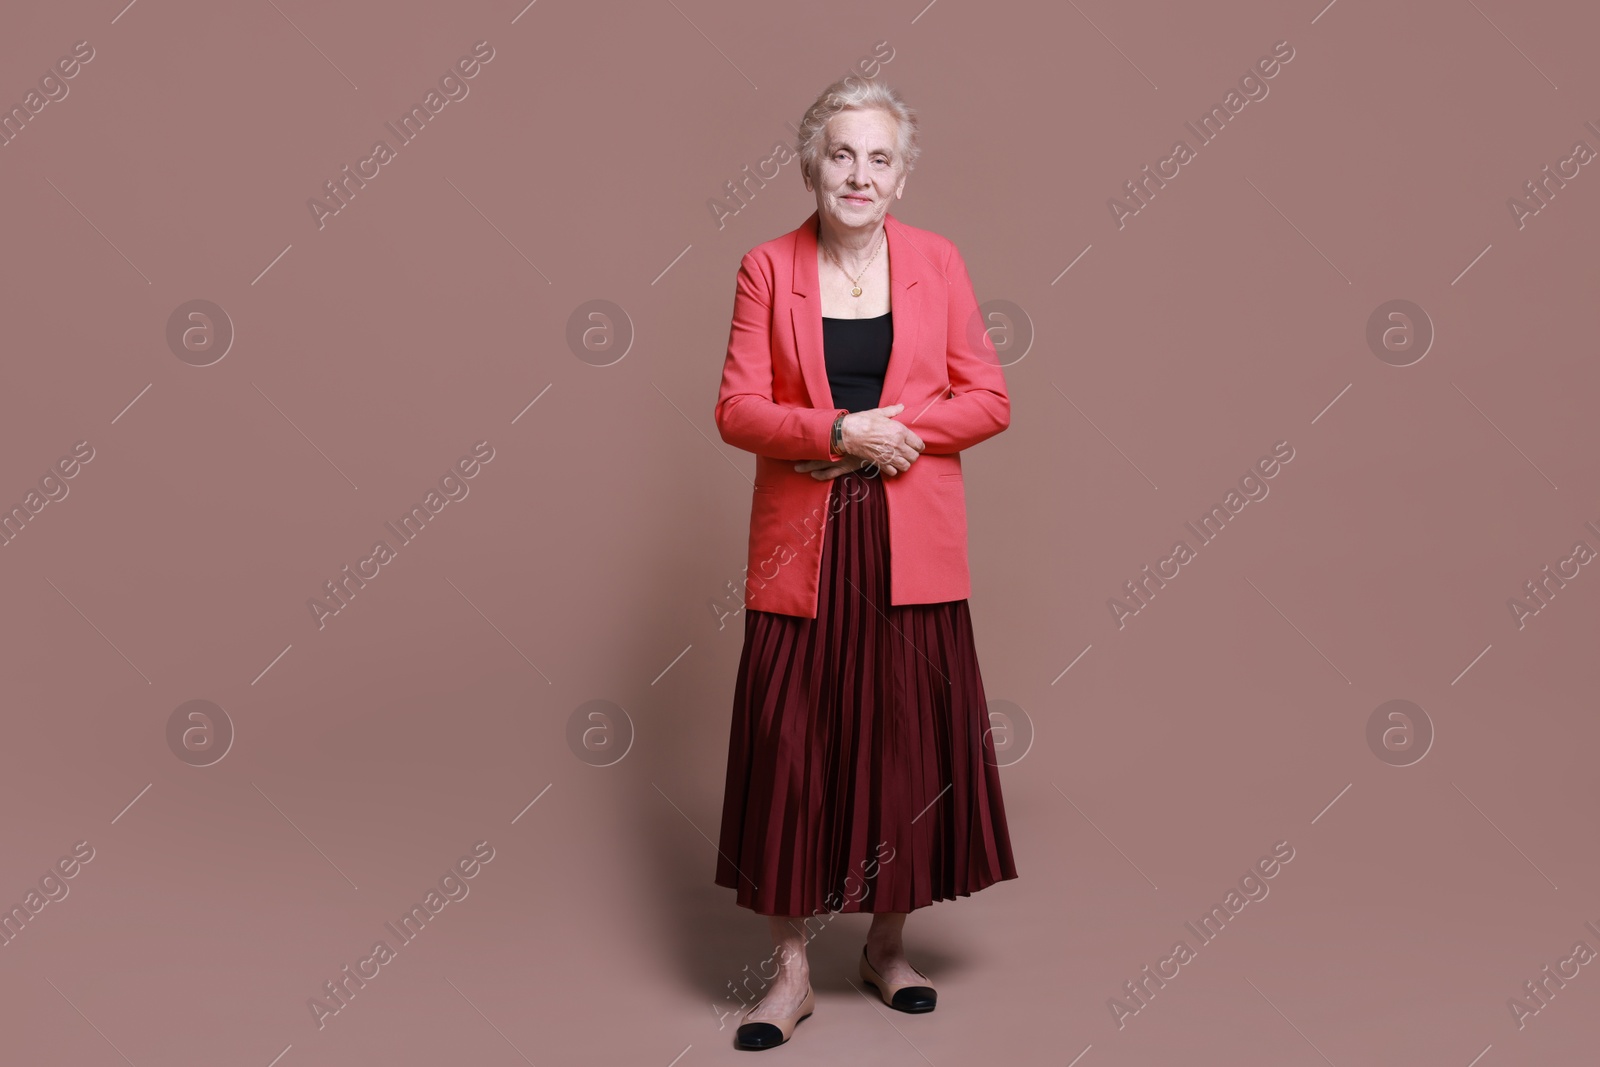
point(882, 951)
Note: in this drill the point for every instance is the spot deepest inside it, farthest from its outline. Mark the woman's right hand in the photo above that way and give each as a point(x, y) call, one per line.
point(875, 437)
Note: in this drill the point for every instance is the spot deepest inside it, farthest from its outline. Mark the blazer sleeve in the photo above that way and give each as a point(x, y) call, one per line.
point(979, 406)
point(746, 415)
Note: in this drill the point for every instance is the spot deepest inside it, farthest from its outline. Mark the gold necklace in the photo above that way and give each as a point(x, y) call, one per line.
point(856, 281)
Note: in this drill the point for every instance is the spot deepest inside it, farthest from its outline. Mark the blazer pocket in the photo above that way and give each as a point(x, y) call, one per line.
point(765, 488)
point(949, 477)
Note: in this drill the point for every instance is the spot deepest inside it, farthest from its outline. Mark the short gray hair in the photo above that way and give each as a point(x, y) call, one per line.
point(853, 93)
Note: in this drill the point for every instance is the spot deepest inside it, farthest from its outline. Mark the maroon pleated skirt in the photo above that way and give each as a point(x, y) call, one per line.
point(861, 776)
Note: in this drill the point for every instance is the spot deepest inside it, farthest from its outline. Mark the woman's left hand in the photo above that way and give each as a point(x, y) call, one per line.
point(825, 470)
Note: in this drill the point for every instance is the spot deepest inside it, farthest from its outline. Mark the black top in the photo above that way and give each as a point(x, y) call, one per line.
point(857, 354)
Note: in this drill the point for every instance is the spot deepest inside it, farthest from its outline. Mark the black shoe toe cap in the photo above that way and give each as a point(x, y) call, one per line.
point(757, 1035)
point(916, 998)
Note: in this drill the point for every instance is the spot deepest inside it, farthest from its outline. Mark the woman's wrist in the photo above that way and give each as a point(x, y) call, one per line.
point(836, 437)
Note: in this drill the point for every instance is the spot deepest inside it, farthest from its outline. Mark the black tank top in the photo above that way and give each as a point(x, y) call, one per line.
point(857, 354)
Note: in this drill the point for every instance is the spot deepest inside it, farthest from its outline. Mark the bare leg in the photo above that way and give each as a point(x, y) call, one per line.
point(885, 950)
point(788, 989)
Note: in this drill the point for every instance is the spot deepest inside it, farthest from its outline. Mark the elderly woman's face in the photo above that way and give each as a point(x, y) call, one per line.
point(861, 171)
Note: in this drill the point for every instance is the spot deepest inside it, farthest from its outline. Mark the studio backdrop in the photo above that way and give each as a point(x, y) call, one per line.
point(376, 570)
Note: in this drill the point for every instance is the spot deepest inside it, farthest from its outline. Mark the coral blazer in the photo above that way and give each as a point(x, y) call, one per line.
point(775, 402)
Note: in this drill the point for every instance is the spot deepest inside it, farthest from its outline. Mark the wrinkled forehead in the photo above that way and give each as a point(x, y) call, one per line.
point(863, 130)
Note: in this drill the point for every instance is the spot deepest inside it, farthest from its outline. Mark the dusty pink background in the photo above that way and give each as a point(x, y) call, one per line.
point(587, 561)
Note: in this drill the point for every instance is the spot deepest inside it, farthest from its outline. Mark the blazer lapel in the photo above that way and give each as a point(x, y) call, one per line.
point(907, 268)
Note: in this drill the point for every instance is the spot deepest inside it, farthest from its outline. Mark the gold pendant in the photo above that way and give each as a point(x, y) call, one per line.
point(856, 291)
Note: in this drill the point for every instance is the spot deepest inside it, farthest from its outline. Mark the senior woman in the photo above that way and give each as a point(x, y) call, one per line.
point(859, 775)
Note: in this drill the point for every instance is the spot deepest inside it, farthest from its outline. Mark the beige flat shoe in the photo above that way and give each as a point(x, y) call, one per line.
point(908, 997)
point(765, 1034)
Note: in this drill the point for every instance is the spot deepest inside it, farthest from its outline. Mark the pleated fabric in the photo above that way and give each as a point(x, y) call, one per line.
point(860, 773)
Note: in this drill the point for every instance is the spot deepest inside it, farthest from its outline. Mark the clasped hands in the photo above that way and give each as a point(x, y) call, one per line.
point(870, 437)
